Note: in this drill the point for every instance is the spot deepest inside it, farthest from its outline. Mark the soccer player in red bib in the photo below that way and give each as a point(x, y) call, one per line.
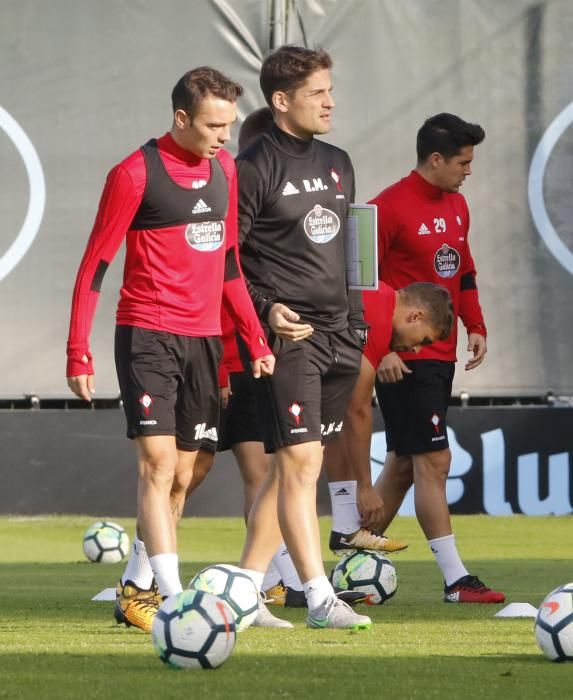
point(174, 200)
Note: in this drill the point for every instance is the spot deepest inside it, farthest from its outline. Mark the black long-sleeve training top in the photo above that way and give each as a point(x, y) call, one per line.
point(293, 204)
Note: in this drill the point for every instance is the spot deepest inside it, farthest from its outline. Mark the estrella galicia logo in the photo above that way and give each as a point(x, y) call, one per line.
point(321, 225)
point(205, 236)
point(447, 261)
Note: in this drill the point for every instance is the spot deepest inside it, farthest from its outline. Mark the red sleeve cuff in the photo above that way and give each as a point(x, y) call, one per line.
point(258, 347)
point(79, 363)
point(478, 328)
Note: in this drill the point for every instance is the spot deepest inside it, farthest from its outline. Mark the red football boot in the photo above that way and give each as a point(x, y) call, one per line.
point(469, 589)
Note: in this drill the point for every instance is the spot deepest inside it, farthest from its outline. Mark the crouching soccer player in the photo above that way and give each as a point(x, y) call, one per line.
point(400, 321)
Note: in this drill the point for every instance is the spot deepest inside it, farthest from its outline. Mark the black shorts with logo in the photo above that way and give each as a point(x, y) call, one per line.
point(415, 408)
point(240, 421)
point(169, 385)
point(306, 397)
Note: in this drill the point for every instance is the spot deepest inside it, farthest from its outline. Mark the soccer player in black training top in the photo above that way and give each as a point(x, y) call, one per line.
point(294, 193)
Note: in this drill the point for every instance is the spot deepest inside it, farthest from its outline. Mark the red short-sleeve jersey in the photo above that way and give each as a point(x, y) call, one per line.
point(423, 237)
point(379, 308)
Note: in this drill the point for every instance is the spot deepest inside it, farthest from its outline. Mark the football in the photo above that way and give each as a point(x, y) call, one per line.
point(106, 542)
point(193, 630)
point(368, 572)
point(233, 586)
point(554, 624)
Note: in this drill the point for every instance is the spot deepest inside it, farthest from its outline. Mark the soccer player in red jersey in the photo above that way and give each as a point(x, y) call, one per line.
point(175, 201)
point(423, 227)
point(406, 320)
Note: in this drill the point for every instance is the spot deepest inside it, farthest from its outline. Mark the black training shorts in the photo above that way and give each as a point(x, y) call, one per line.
point(169, 385)
point(415, 408)
point(240, 421)
point(306, 397)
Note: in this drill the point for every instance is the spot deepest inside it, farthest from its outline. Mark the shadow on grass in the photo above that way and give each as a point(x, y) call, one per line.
point(97, 675)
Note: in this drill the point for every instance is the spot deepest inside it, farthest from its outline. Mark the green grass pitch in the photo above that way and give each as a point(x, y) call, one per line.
point(57, 644)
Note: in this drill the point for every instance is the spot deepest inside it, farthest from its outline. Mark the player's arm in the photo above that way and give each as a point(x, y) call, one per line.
point(230, 352)
point(392, 368)
point(236, 298)
point(470, 311)
point(357, 436)
point(286, 323)
point(118, 204)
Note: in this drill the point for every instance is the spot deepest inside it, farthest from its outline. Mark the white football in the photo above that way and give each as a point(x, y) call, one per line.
point(105, 542)
point(368, 572)
point(232, 585)
point(554, 624)
point(193, 630)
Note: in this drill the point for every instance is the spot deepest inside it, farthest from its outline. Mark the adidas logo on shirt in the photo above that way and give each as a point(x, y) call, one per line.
point(201, 208)
point(289, 188)
point(423, 230)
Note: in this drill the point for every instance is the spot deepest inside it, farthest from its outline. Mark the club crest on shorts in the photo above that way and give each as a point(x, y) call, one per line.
point(321, 224)
point(436, 421)
point(146, 401)
point(205, 236)
point(295, 409)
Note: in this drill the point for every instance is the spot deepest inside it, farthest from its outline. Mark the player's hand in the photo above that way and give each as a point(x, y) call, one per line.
point(224, 393)
point(285, 323)
point(83, 386)
point(392, 369)
point(370, 506)
point(263, 366)
point(478, 345)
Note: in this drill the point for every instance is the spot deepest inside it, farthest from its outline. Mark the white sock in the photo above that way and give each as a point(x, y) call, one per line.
point(317, 591)
point(272, 577)
point(285, 565)
point(256, 576)
point(345, 515)
point(448, 559)
point(165, 567)
point(138, 569)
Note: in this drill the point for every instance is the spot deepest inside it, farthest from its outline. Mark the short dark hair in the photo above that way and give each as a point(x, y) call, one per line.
point(197, 84)
point(436, 301)
point(254, 125)
point(446, 134)
point(287, 68)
